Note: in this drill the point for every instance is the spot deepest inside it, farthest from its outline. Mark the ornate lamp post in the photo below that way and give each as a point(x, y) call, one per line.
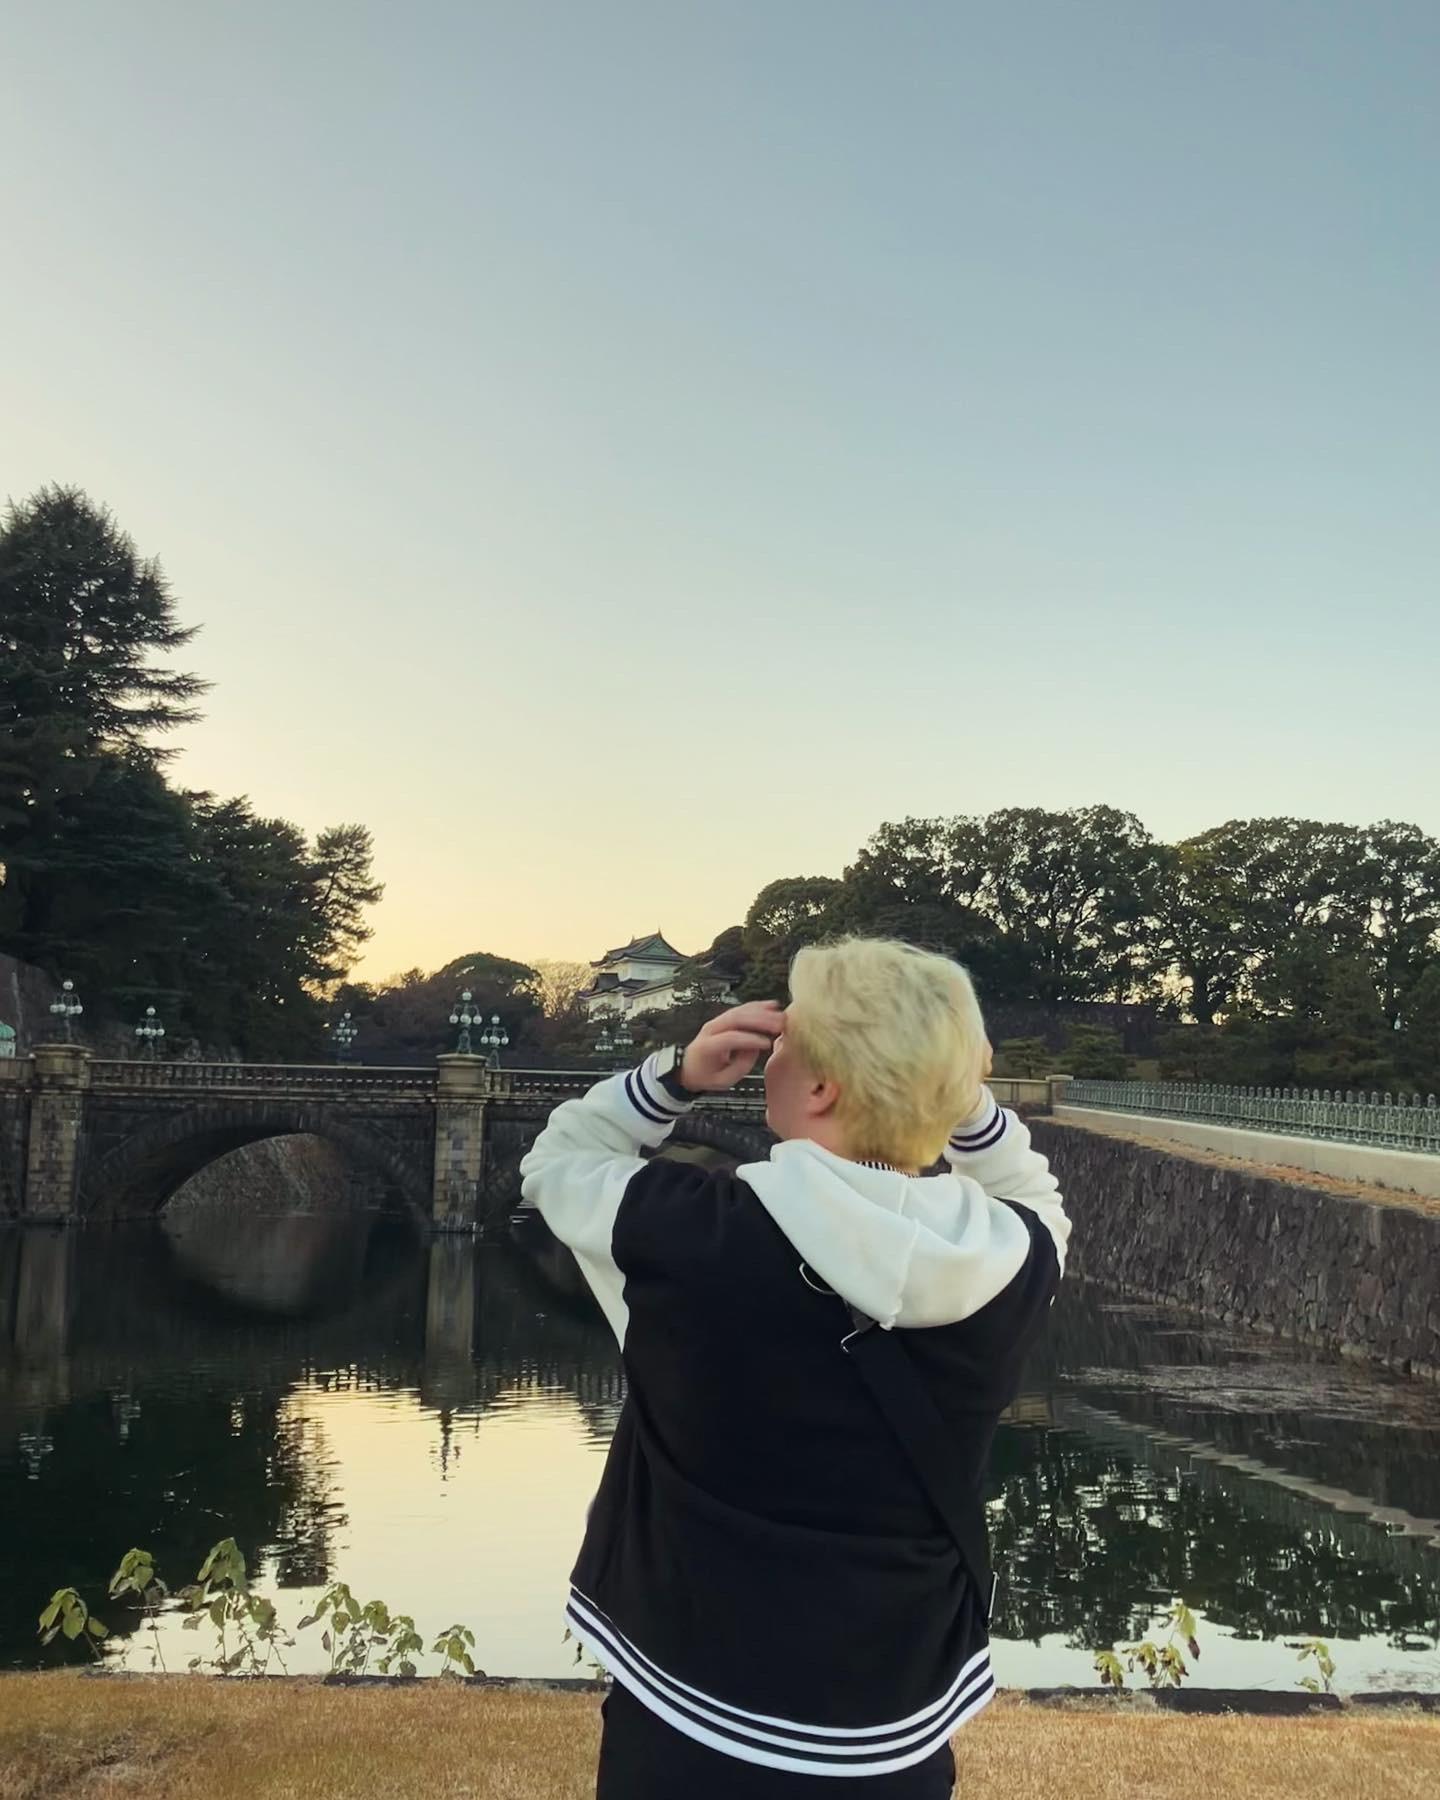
point(67, 1007)
point(343, 1033)
point(494, 1038)
point(615, 1041)
point(148, 1034)
point(465, 1013)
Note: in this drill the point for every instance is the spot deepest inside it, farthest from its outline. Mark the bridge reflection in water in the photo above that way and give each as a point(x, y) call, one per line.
point(163, 1385)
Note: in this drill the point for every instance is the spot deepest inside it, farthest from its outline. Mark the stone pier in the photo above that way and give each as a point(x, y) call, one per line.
point(459, 1141)
point(57, 1115)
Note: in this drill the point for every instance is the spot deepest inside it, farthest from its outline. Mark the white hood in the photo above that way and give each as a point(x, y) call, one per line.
point(905, 1249)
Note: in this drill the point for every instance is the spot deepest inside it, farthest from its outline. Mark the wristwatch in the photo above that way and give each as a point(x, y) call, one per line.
point(667, 1068)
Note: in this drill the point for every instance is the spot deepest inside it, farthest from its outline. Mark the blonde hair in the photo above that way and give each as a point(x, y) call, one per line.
point(899, 1031)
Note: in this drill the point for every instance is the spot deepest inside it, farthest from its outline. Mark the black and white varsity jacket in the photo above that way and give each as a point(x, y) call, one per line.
point(760, 1566)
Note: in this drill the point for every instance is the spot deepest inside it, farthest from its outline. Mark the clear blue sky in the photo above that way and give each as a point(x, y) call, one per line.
point(623, 452)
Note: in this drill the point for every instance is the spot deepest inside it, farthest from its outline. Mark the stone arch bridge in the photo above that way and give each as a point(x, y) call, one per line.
point(83, 1138)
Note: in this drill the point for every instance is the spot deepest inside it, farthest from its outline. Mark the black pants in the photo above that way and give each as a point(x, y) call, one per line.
point(643, 1758)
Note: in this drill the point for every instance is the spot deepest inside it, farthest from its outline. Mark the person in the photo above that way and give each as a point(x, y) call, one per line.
point(762, 1572)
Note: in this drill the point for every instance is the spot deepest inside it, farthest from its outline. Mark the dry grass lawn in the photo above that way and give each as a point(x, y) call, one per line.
point(174, 1739)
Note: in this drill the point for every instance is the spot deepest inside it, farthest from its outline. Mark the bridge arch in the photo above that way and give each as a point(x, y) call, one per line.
point(141, 1174)
point(718, 1131)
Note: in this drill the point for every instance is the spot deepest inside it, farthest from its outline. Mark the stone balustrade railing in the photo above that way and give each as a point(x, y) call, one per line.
point(554, 1085)
point(349, 1081)
point(330, 1081)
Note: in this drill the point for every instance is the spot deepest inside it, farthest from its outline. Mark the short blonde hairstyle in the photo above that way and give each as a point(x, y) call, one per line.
point(899, 1031)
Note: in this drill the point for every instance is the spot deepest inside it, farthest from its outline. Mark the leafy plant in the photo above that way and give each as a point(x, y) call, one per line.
point(455, 1644)
point(1323, 1682)
point(68, 1616)
point(404, 1640)
point(356, 1633)
point(1164, 1664)
point(597, 1668)
point(221, 1593)
point(136, 1575)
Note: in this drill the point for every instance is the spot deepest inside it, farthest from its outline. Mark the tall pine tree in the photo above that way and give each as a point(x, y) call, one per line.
point(81, 618)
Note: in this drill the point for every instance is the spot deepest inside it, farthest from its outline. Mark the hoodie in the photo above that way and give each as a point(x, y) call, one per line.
point(760, 1566)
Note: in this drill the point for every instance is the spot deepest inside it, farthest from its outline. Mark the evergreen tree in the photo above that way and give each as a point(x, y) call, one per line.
point(1094, 1054)
point(1420, 1034)
point(262, 962)
point(1317, 1022)
point(343, 886)
point(134, 897)
point(81, 617)
point(1026, 1057)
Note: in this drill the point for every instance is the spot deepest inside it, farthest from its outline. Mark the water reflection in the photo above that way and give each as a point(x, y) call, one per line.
point(429, 1421)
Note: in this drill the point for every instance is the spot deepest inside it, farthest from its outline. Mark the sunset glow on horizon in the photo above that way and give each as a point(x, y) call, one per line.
point(624, 456)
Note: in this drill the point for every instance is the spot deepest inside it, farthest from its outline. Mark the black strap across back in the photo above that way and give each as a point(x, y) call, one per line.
point(899, 1390)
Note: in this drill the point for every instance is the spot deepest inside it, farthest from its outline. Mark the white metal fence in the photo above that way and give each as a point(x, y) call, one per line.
point(1403, 1122)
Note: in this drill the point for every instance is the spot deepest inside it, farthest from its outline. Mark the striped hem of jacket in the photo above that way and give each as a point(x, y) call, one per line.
point(778, 1743)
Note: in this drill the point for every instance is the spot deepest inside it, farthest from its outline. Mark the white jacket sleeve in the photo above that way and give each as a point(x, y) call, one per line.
point(992, 1147)
point(576, 1172)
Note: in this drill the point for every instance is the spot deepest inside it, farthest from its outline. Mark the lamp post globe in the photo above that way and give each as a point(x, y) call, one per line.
point(494, 1039)
point(148, 1034)
point(615, 1042)
point(464, 1014)
point(66, 1007)
point(342, 1035)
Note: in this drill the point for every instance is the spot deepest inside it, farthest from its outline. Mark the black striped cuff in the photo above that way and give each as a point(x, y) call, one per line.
point(645, 1093)
point(984, 1136)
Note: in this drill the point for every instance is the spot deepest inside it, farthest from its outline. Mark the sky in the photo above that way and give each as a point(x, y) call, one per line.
point(624, 451)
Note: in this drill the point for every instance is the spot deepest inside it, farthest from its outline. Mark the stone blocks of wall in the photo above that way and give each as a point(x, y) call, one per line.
point(1250, 1248)
point(459, 1141)
point(14, 1139)
point(57, 1114)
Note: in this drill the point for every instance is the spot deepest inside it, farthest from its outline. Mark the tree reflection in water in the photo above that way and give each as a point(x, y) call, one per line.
point(145, 1375)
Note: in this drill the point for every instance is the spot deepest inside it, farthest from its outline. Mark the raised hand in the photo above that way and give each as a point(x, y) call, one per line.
point(727, 1049)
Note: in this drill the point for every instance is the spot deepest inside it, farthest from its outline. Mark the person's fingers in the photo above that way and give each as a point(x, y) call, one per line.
point(754, 1015)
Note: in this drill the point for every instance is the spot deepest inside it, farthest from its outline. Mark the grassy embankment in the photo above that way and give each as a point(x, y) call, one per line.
point(65, 1735)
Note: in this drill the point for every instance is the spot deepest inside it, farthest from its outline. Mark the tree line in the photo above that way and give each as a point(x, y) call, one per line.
point(234, 926)
point(1284, 952)
point(1265, 952)
point(1271, 951)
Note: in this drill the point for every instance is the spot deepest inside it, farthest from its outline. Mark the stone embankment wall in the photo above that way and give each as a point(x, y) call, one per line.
point(1251, 1248)
point(14, 1141)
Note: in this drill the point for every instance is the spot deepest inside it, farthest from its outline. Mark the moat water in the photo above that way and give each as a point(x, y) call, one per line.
point(428, 1423)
